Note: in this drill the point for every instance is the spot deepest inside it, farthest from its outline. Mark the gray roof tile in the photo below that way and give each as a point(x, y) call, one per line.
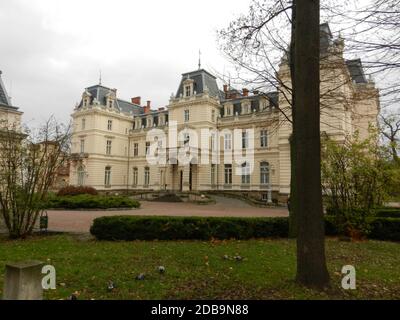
point(202, 79)
point(356, 70)
point(100, 93)
point(4, 98)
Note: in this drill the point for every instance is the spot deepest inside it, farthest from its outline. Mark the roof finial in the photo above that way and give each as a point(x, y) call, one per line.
point(199, 59)
point(100, 78)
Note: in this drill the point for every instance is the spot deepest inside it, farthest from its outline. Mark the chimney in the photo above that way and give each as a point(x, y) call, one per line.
point(136, 100)
point(161, 109)
point(147, 107)
point(225, 88)
point(245, 92)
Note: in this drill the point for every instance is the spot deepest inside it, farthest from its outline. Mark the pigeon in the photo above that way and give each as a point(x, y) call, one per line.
point(111, 286)
point(73, 297)
point(226, 257)
point(238, 258)
point(161, 269)
point(140, 277)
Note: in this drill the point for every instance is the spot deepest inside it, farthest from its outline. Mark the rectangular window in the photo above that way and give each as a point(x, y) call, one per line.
point(147, 176)
point(188, 92)
point(109, 125)
point(228, 174)
point(135, 177)
point(228, 111)
point(107, 177)
point(228, 141)
point(245, 139)
point(264, 138)
point(83, 124)
point(136, 149)
point(108, 147)
point(213, 115)
point(213, 174)
point(245, 173)
point(264, 173)
point(187, 115)
point(213, 142)
point(82, 146)
point(147, 148)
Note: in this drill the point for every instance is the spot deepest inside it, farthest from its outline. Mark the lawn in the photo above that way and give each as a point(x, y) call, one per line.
point(198, 270)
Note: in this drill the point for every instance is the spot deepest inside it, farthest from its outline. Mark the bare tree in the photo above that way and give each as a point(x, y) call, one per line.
point(28, 164)
point(390, 128)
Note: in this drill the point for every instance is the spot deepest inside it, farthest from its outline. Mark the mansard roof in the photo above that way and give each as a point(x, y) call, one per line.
point(356, 70)
point(202, 80)
point(100, 93)
point(5, 101)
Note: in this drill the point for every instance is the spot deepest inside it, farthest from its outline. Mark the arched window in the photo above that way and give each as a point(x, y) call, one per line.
point(264, 173)
point(81, 176)
point(245, 173)
point(107, 176)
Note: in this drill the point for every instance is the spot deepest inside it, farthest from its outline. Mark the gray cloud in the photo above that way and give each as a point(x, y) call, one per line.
point(50, 55)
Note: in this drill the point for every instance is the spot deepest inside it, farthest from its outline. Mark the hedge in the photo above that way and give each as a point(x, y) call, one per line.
point(387, 212)
point(383, 212)
point(74, 191)
point(85, 201)
point(187, 228)
point(385, 229)
point(128, 228)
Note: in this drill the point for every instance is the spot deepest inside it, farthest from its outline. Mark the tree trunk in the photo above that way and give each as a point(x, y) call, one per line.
point(292, 207)
point(311, 263)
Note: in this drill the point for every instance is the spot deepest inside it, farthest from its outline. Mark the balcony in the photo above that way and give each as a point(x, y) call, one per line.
point(79, 156)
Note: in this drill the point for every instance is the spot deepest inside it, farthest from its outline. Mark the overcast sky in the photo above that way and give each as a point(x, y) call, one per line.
point(51, 50)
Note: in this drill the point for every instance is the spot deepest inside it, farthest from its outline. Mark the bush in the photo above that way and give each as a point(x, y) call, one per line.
point(387, 212)
point(187, 228)
point(385, 229)
point(74, 191)
point(128, 228)
point(85, 201)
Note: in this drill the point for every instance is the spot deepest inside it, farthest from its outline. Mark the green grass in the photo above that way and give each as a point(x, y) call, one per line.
point(197, 270)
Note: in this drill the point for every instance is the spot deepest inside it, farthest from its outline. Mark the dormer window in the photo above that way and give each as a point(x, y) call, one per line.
point(85, 102)
point(110, 103)
point(188, 91)
point(188, 86)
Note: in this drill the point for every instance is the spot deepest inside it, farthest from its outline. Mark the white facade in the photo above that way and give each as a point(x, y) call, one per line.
point(111, 136)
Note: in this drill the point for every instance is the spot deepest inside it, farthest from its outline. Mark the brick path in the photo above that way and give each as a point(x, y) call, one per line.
point(80, 221)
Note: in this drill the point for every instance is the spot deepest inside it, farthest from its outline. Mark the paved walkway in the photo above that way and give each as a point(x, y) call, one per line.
point(80, 221)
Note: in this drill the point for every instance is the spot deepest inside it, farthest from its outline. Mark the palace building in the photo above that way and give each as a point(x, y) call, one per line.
point(9, 115)
point(210, 138)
